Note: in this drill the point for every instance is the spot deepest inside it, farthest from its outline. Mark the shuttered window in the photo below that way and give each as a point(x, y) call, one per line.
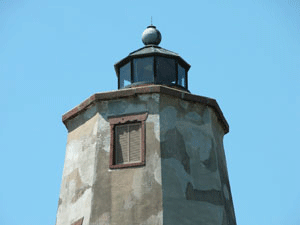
point(127, 143)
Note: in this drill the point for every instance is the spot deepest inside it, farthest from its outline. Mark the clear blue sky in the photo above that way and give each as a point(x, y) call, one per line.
point(245, 54)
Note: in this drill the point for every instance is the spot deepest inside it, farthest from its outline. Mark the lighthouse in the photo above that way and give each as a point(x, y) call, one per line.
point(150, 152)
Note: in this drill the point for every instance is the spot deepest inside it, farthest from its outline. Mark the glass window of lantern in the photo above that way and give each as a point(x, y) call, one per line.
point(143, 70)
point(181, 76)
point(165, 70)
point(125, 75)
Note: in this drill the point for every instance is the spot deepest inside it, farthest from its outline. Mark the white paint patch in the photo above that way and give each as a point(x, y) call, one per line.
point(155, 120)
point(157, 174)
point(69, 212)
point(155, 163)
point(95, 129)
point(70, 191)
point(104, 133)
point(72, 153)
point(82, 207)
point(105, 143)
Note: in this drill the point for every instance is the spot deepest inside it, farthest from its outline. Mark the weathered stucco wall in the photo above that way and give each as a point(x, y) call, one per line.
point(194, 175)
point(184, 181)
point(128, 195)
point(77, 181)
point(120, 196)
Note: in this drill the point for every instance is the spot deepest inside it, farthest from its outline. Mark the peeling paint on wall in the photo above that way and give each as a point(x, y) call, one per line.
point(184, 180)
point(191, 159)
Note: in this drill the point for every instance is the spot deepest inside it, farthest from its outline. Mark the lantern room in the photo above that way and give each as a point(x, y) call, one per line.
point(152, 65)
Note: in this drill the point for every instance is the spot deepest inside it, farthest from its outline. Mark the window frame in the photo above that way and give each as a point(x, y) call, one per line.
point(157, 77)
point(120, 80)
point(136, 74)
point(122, 120)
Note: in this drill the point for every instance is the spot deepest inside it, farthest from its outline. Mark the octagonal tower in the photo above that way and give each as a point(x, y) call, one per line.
point(148, 153)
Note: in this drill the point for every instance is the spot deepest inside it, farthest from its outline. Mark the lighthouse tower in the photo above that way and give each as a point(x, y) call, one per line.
point(149, 153)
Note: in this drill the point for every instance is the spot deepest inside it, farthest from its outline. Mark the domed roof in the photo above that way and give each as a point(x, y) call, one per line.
point(151, 36)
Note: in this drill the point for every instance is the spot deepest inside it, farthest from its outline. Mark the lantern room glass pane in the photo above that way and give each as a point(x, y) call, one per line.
point(165, 70)
point(143, 70)
point(125, 75)
point(181, 76)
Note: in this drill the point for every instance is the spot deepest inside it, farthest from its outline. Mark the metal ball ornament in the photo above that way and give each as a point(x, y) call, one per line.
point(151, 36)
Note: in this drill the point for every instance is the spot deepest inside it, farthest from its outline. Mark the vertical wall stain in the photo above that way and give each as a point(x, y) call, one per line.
point(174, 147)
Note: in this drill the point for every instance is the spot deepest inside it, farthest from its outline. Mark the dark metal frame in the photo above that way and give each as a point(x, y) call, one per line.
point(131, 70)
point(176, 71)
point(178, 61)
point(186, 80)
point(154, 69)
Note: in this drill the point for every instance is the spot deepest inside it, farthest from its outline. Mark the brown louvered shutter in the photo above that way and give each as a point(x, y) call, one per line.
point(122, 144)
point(128, 143)
point(135, 142)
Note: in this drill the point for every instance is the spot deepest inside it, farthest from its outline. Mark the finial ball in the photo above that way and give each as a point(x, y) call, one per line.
point(151, 36)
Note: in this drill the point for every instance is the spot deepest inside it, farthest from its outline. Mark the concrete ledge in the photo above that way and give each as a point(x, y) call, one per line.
point(123, 93)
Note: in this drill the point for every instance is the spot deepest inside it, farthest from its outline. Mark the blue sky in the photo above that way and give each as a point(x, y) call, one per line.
point(245, 54)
